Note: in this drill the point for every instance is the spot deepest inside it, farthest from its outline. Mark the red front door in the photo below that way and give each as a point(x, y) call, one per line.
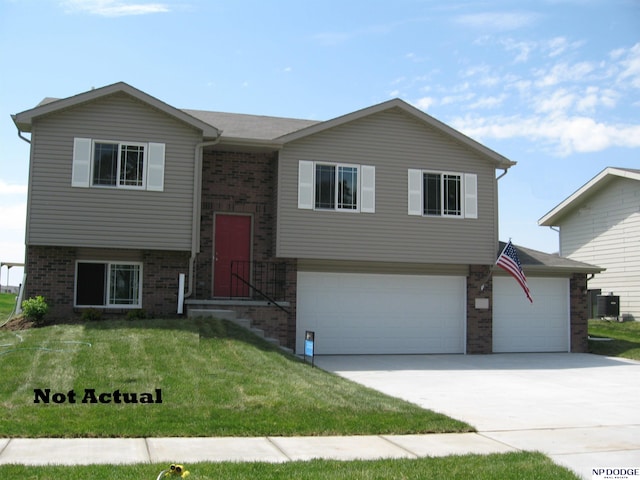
point(232, 244)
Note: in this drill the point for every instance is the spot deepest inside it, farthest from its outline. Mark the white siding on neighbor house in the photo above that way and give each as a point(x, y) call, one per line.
point(393, 142)
point(60, 214)
point(605, 231)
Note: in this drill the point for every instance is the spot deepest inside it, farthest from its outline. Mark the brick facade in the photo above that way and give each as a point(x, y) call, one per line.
point(579, 313)
point(245, 183)
point(161, 276)
point(479, 320)
point(51, 273)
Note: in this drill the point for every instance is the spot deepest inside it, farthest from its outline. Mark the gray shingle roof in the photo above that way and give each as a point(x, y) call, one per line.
point(536, 261)
point(256, 127)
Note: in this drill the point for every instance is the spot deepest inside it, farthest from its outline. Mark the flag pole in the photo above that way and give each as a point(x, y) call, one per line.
point(484, 282)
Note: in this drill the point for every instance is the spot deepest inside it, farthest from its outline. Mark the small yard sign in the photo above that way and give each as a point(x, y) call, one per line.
point(309, 339)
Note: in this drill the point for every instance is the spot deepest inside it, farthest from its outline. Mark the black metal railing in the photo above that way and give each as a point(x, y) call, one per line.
point(259, 280)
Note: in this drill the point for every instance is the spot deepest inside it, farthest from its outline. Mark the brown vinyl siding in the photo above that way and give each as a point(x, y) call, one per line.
point(393, 142)
point(110, 217)
point(387, 268)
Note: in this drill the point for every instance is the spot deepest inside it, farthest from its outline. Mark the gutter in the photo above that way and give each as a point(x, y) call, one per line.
point(20, 135)
point(195, 220)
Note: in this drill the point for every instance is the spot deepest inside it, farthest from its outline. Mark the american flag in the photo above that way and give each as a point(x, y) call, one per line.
point(509, 261)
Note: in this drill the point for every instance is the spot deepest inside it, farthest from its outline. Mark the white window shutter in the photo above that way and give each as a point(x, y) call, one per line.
point(470, 195)
point(305, 185)
point(155, 167)
point(415, 192)
point(368, 189)
point(81, 170)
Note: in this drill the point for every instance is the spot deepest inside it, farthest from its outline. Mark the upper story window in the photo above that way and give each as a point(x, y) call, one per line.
point(100, 163)
point(336, 186)
point(118, 164)
point(443, 194)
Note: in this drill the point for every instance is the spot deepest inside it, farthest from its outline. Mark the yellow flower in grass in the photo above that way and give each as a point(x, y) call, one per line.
point(174, 470)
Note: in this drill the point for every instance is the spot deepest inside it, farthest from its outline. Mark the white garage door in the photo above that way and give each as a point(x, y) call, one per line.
point(520, 326)
point(364, 313)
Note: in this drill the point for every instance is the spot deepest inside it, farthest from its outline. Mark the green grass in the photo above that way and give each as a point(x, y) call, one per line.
point(217, 379)
point(625, 338)
point(7, 302)
point(510, 466)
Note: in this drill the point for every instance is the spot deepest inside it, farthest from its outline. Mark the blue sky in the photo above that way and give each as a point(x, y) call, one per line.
point(551, 84)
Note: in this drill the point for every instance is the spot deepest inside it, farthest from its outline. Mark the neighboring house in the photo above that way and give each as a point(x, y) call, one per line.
point(600, 223)
point(377, 230)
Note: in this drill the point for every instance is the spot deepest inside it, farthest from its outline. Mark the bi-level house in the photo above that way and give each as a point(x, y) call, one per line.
point(377, 230)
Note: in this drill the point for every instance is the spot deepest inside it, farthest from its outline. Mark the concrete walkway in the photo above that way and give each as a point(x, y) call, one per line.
point(87, 451)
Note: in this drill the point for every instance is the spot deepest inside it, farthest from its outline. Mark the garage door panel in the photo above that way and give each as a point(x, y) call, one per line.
point(360, 313)
point(521, 326)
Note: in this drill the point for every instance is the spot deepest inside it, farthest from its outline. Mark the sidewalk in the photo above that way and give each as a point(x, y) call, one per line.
point(86, 451)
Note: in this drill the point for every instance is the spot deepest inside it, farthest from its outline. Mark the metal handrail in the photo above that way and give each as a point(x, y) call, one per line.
point(267, 279)
point(258, 291)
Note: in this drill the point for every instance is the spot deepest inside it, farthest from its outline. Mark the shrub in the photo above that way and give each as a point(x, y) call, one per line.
point(91, 315)
point(35, 309)
point(137, 314)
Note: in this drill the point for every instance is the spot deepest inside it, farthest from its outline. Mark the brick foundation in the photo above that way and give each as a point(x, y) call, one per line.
point(479, 321)
point(162, 271)
point(51, 273)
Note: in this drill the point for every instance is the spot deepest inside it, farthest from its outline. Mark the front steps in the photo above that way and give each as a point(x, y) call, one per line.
point(232, 316)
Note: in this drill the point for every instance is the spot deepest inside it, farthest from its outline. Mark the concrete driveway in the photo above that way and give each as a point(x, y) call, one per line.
point(582, 410)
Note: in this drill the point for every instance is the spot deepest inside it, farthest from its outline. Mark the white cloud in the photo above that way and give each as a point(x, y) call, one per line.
point(497, 20)
point(114, 8)
point(424, 103)
point(523, 49)
point(630, 65)
point(555, 103)
point(559, 45)
point(488, 102)
point(564, 72)
point(12, 189)
point(565, 135)
point(14, 218)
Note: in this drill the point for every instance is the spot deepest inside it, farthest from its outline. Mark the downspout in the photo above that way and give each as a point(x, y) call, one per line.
point(495, 209)
point(18, 307)
point(195, 221)
point(21, 137)
point(497, 240)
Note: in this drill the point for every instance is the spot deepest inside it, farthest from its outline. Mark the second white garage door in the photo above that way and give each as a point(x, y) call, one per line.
point(521, 326)
point(381, 314)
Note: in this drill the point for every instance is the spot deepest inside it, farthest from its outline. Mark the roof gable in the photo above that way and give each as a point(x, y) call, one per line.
point(597, 183)
point(497, 159)
point(23, 120)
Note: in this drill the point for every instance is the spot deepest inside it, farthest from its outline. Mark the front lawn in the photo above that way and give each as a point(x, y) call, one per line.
point(215, 378)
point(7, 302)
point(625, 338)
point(509, 466)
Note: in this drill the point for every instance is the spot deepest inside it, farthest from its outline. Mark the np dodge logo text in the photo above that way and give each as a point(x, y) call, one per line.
point(90, 396)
